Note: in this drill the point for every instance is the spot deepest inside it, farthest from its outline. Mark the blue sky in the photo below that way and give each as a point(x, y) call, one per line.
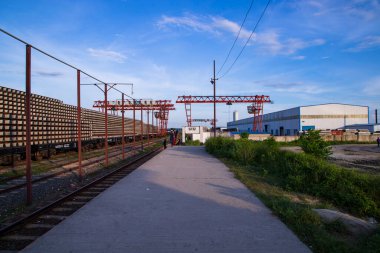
point(303, 52)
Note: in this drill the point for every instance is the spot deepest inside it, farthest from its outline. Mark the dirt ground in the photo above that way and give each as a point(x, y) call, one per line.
point(356, 156)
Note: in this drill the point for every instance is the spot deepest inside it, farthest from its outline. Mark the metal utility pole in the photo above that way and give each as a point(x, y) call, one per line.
point(79, 119)
point(213, 81)
point(141, 127)
point(147, 113)
point(122, 126)
point(28, 148)
point(106, 123)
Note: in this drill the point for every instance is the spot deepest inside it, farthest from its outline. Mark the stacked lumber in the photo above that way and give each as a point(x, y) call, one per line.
point(52, 121)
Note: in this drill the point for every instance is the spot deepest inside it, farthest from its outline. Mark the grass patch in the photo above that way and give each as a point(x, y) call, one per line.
point(193, 143)
point(291, 185)
point(297, 143)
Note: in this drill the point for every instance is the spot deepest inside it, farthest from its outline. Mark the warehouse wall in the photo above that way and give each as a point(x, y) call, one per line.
point(320, 117)
point(284, 122)
point(333, 116)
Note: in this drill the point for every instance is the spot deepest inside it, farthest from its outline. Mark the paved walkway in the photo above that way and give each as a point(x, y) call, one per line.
point(183, 200)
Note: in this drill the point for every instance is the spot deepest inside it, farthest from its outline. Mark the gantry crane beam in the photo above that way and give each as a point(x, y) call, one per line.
point(256, 100)
point(204, 120)
point(222, 99)
point(129, 104)
point(162, 108)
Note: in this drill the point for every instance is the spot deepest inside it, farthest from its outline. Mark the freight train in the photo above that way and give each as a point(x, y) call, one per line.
point(54, 126)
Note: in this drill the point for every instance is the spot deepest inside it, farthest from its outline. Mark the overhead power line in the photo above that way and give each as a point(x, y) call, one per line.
point(237, 37)
point(246, 43)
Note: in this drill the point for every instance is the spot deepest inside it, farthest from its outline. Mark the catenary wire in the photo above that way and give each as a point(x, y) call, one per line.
point(246, 43)
point(237, 37)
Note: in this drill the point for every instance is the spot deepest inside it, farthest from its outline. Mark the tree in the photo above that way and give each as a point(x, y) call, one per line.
point(312, 143)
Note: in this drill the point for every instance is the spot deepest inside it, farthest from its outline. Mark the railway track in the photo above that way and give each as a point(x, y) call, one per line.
point(72, 157)
point(18, 184)
point(18, 235)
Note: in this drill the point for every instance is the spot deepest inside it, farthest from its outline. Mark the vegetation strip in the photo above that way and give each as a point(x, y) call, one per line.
point(294, 184)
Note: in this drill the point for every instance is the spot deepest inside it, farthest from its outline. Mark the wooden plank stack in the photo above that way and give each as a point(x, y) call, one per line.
point(52, 121)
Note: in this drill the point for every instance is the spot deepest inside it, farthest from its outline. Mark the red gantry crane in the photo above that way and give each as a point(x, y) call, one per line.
point(160, 108)
point(204, 120)
point(256, 108)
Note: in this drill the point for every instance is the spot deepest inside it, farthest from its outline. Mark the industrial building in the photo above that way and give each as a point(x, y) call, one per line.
point(318, 117)
point(373, 128)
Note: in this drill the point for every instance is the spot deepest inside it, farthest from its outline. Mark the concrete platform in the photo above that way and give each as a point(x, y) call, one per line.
point(183, 200)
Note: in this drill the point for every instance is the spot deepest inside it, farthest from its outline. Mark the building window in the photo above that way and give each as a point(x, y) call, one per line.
point(287, 131)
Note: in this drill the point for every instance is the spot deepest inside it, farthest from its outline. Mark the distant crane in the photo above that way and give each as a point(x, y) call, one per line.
point(161, 108)
point(204, 120)
point(257, 106)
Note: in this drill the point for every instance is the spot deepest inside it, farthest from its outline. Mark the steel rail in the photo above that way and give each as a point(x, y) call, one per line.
point(48, 207)
point(44, 178)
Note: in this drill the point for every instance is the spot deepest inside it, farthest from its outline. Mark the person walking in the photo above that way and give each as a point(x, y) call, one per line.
point(378, 142)
point(171, 137)
point(164, 143)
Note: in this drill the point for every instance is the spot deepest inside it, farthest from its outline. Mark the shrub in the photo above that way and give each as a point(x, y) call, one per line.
point(312, 143)
point(244, 135)
point(193, 143)
point(244, 151)
point(356, 192)
point(219, 146)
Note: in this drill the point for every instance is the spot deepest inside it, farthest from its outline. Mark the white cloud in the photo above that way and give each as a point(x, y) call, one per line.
point(188, 21)
point(107, 54)
point(362, 9)
point(366, 43)
point(298, 87)
point(299, 57)
point(270, 42)
point(372, 87)
point(229, 26)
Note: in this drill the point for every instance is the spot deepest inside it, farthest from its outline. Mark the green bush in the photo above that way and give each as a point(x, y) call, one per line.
point(243, 151)
point(355, 192)
point(312, 143)
point(244, 135)
point(219, 146)
point(193, 143)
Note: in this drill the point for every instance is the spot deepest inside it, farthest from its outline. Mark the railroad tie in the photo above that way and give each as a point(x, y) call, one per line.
point(37, 225)
point(19, 237)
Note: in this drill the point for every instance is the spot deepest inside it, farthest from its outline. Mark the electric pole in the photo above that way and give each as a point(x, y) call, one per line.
point(213, 82)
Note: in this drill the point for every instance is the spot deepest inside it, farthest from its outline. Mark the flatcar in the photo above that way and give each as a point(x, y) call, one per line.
point(53, 126)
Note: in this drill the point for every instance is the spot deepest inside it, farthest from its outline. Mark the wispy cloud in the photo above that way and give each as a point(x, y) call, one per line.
point(299, 57)
point(48, 74)
point(229, 26)
point(363, 9)
point(367, 43)
point(270, 42)
point(299, 87)
point(188, 21)
point(107, 54)
point(372, 87)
